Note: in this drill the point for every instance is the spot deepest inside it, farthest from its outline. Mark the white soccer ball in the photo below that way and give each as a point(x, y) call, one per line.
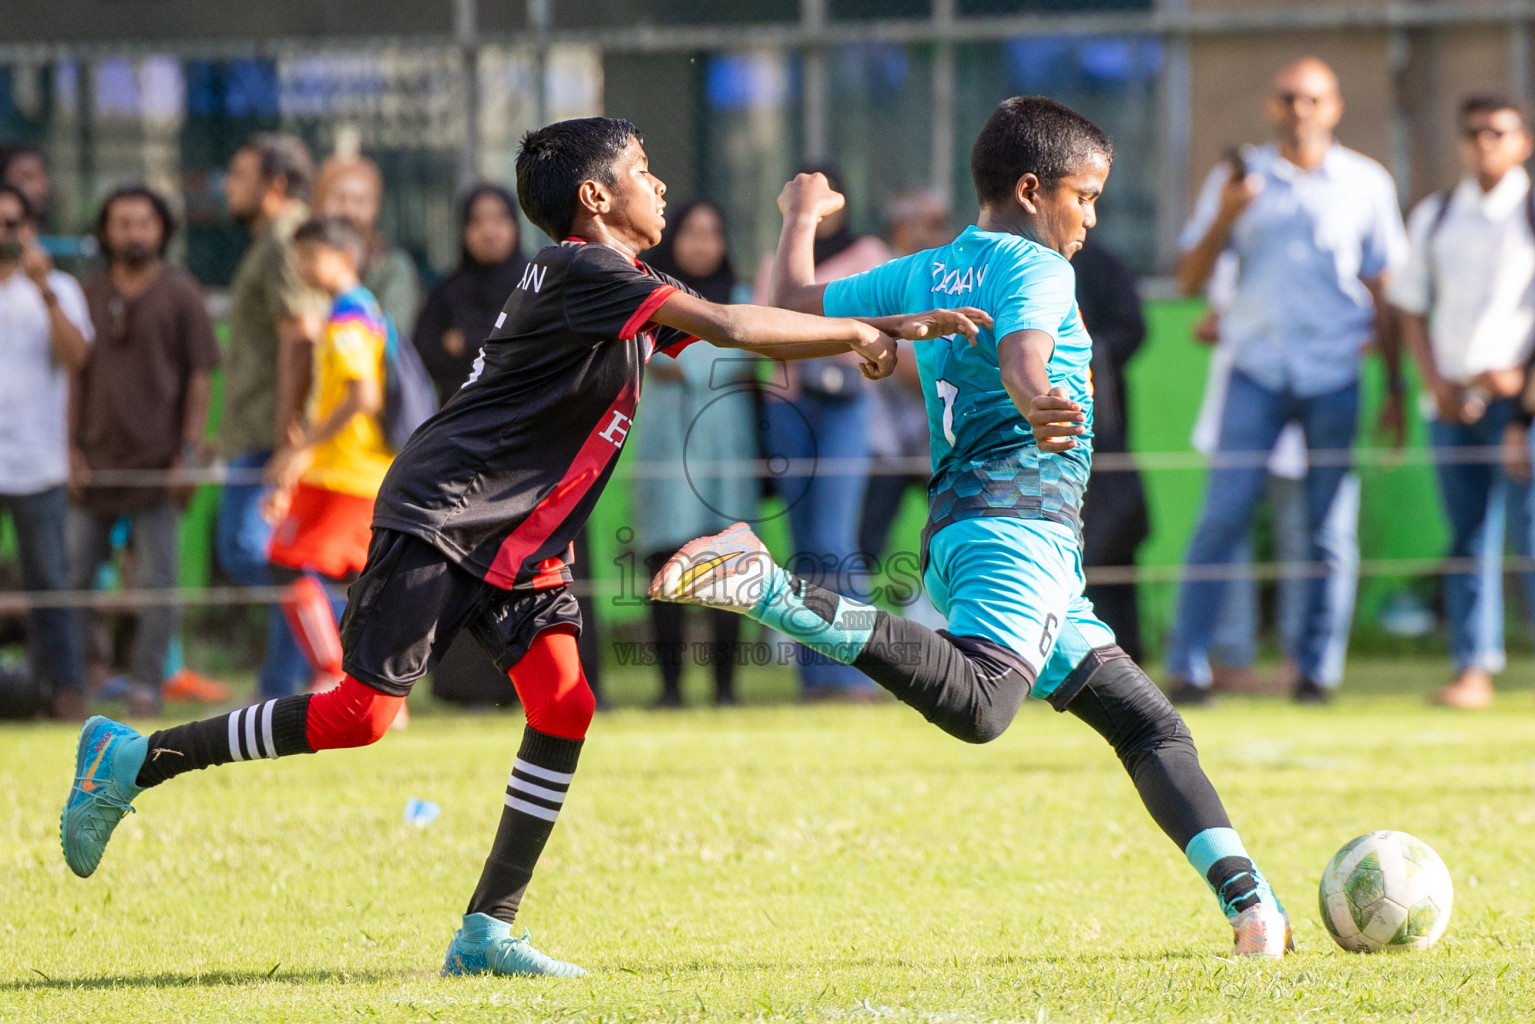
point(1386, 891)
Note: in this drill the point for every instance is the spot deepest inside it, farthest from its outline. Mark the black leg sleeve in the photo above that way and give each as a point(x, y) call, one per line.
point(969, 687)
point(666, 623)
point(1154, 744)
point(726, 649)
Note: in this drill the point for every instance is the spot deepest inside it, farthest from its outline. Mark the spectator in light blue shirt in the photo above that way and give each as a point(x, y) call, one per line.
point(1316, 230)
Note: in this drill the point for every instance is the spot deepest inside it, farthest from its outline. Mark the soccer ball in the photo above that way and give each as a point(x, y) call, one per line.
point(1386, 891)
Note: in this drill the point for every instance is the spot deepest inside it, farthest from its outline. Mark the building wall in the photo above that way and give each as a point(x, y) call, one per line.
point(1403, 116)
point(1232, 77)
point(1443, 67)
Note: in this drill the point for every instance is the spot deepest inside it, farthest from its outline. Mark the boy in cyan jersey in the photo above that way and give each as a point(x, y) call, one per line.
point(1011, 428)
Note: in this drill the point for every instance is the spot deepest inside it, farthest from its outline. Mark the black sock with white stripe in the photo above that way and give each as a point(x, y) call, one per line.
point(534, 795)
point(275, 728)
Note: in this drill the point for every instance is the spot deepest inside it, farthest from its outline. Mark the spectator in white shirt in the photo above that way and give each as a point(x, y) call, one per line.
point(45, 332)
point(1468, 314)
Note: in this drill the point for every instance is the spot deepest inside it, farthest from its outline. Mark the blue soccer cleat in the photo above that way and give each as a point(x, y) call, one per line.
point(485, 945)
point(107, 763)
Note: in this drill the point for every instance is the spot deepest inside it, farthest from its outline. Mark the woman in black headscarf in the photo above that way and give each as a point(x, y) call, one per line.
point(461, 310)
point(704, 246)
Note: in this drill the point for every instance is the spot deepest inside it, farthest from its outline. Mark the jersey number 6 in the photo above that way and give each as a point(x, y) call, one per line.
point(1047, 638)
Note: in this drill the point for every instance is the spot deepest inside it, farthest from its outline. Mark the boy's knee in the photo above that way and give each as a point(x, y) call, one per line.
point(998, 682)
point(368, 729)
point(1122, 703)
point(567, 714)
point(986, 728)
point(351, 715)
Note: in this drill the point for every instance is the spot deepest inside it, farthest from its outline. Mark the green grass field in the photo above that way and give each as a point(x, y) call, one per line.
point(780, 862)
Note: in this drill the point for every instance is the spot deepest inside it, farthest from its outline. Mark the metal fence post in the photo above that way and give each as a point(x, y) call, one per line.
point(540, 19)
point(1175, 92)
point(466, 25)
point(814, 81)
point(941, 173)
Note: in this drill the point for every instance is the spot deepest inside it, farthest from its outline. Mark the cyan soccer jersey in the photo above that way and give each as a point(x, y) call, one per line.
point(985, 462)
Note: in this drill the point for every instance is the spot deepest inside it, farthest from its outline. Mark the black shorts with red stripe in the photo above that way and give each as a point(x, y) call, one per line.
point(411, 602)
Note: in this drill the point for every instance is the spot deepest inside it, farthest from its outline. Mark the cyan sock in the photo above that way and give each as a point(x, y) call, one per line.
point(822, 620)
point(481, 928)
point(127, 761)
point(1222, 861)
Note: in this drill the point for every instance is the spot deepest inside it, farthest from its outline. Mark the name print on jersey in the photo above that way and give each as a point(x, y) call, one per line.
point(951, 282)
point(617, 429)
point(532, 275)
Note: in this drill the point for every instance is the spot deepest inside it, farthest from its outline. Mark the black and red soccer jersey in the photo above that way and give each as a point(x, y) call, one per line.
point(505, 475)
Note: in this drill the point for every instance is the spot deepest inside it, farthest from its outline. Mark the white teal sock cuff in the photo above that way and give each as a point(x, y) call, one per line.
point(1211, 845)
point(798, 610)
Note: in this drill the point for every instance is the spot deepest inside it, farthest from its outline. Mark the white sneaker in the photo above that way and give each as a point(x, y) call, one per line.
point(728, 570)
point(1262, 930)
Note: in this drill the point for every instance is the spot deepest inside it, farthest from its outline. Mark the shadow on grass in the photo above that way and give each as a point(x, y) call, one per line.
point(215, 979)
point(203, 979)
point(999, 961)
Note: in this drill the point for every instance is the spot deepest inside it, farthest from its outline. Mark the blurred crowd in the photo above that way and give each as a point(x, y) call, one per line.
point(1301, 248)
point(107, 405)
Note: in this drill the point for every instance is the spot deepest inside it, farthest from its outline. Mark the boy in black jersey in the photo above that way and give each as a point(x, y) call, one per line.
point(473, 524)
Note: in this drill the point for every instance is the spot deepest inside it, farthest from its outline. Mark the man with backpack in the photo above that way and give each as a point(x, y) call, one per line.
point(1468, 318)
point(364, 402)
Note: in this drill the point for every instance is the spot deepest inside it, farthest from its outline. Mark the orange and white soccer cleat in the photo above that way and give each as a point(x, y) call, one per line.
point(1262, 930)
point(731, 570)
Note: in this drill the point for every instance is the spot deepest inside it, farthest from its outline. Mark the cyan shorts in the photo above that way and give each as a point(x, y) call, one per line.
point(1017, 582)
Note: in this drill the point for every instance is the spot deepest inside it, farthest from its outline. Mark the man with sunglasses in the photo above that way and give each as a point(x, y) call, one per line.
point(1468, 318)
point(1316, 230)
point(45, 335)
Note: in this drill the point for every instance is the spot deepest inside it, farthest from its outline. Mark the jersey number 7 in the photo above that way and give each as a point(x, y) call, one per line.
point(947, 393)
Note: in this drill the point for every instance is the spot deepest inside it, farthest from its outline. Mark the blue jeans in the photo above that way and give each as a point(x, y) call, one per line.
point(1251, 424)
point(824, 508)
point(156, 563)
point(1235, 643)
point(241, 542)
point(1475, 497)
point(56, 641)
point(1517, 531)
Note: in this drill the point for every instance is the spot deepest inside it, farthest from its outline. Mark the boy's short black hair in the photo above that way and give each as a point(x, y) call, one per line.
point(334, 233)
point(554, 160)
point(154, 199)
point(1031, 134)
point(1491, 103)
point(286, 157)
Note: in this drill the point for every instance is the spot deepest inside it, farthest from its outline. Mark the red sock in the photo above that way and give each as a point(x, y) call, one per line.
point(307, 608)
point(352, 715)
point(552, 687)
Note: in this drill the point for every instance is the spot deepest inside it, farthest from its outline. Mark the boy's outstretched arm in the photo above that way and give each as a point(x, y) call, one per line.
point(779, 333)
point(1023, 358)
